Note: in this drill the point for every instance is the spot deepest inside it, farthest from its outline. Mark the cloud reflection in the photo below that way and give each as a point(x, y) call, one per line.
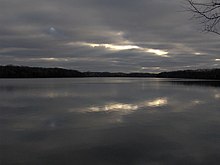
point(196, 102)
point(217, 96)
point(120, 107)
point(157, 102)
point(128, 108)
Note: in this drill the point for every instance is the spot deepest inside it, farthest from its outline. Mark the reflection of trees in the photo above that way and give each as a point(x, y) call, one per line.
point(197, 83)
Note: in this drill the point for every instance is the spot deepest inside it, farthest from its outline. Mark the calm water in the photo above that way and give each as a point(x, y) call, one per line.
point(109, 121)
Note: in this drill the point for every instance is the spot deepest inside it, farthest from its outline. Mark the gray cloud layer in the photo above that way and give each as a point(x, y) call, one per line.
point(103, 35)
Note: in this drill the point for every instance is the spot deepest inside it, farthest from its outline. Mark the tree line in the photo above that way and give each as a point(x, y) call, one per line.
point(10, 71)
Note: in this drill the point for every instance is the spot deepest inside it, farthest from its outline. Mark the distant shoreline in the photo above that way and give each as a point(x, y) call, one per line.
point(11, 71)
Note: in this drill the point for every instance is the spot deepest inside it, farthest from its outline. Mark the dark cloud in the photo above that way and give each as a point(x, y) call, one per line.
point(33, 32)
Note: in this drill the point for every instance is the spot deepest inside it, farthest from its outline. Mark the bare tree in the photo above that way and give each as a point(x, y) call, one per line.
point(207, 12)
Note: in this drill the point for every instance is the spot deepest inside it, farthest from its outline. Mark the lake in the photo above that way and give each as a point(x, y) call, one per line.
point(109, 121)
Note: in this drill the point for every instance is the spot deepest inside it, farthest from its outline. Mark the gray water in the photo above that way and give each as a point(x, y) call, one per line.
point(109, 121)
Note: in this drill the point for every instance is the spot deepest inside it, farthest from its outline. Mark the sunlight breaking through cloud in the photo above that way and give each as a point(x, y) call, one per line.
point(115, 47)
point(157, 52)
point(49, 59)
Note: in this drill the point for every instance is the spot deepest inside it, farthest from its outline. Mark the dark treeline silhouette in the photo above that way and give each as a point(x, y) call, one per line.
point(10, 71)
point(119, 74)
point(213, 74)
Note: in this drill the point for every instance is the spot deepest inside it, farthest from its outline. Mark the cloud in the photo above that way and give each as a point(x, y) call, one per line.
point(121, 47)
point(133, 34)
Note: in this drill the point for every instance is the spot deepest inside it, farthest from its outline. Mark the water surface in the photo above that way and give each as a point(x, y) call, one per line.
point(109, 121)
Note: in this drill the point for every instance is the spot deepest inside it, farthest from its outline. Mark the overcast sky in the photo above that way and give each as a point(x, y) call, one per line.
point(104, 35)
